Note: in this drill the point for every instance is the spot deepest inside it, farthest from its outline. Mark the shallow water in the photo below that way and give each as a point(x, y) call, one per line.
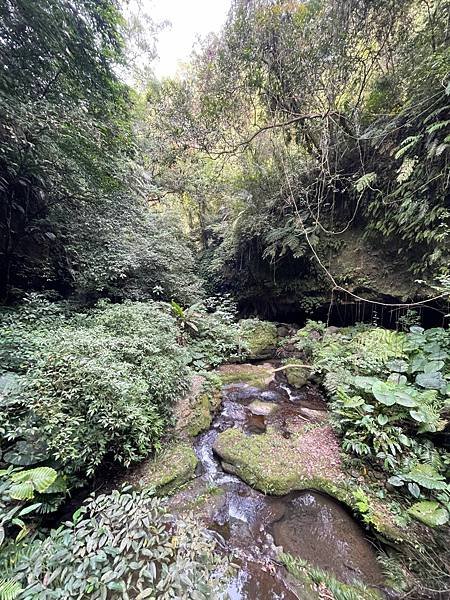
point(255, 527)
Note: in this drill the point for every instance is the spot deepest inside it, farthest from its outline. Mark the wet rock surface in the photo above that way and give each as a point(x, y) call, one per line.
point(317, 529)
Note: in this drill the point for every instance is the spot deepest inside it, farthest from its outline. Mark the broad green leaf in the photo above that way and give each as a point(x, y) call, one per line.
point(396, 481)
point(383, 393)
point(433, 366)
point(382, 419)
point(23, 490)
point(397, 378)
point(40, 478)
point(404, 399)
point(365, 383)
point(431, 381)
point(427, 477)
point(397, 365)
point(416, 329)
point(429, 512)
point(414, 489)
point(418, 415)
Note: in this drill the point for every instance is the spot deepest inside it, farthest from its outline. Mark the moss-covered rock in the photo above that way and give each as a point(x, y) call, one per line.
point(257, 407)
point(277, 465)
point(258, 376)
point(171, 469)
point(308, 459)
point(194, 412)
point(259, 338)
point(296, 376)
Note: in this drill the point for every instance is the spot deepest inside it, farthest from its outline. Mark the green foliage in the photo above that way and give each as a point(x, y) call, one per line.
point(98, 385)
point(124, 545)
point(26, 483)
point(66, 133)
point(216, 341)
point(389, 393)
point(94, 386)
point(18, 487)
point(325, 143)
point(131, 252)
point(429, 512)
point(73, 190)
point(105, 387)
point(9, 590)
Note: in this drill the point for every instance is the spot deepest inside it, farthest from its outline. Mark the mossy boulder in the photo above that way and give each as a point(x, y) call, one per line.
point(296, 376)
point(194, 412)
point(258, 376)
point(308, 459)
point(278, 465)
point(260, 338)
point(257, 407)
point(171, 469)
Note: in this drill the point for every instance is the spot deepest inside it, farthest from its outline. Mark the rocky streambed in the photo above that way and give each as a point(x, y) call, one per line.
point(269, 479)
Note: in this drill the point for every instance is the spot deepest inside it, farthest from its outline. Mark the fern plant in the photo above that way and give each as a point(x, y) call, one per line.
point(9, 589)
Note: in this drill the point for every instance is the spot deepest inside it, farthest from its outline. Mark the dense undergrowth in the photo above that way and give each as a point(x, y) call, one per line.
point(389, 397)
point(84, 389)
point(122, 545)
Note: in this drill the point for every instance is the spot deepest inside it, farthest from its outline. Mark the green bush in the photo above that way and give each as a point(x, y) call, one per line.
point(389, 395)
point(99, 386)
point(123, 545)
point(217, 335)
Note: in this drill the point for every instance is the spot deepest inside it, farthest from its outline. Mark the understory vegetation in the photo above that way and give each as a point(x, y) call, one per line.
point(389, 397)
point(153, 229)
point(122, 545)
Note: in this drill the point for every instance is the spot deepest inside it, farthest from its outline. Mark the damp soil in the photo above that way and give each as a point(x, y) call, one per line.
point(253, 527)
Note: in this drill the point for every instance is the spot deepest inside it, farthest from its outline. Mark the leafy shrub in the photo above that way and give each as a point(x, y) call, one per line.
point(217, 338)
point(26, 493)
point(389, 395)
point(99, 384)
point(26, 329)
point(123, 545)
point(132, 252)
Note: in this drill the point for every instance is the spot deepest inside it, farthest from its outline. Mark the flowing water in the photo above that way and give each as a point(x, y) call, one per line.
point(255, 527)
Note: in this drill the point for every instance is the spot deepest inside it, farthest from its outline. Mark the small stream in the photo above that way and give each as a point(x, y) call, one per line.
point(255, 527)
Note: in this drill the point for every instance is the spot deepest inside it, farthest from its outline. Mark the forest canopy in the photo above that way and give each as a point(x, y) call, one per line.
point(300, 128)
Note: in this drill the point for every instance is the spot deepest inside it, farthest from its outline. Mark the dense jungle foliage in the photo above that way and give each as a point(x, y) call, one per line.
point(297, 167)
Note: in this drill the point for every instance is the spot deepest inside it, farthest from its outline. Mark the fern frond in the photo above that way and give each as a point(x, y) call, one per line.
point(437, 126)
point(406, 169)
point(407, 143)
point(9, 589)
point(364, 182)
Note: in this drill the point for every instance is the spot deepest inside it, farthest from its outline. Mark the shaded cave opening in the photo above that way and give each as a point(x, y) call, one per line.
point(344, 311)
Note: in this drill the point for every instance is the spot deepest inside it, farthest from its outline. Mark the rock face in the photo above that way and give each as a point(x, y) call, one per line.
point(297, 376)
point(258, 376)
point(262, 408)
point(306, 459)
point(194, 412)
point(274, 464)
point(169, 470)
point(260, 338)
